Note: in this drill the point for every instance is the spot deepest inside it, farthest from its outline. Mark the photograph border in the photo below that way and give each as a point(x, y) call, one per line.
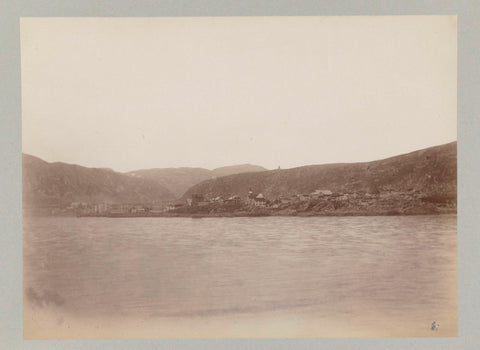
point(468, 12)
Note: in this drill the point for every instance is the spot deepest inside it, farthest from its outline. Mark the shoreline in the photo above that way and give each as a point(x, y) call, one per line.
point(259, 214)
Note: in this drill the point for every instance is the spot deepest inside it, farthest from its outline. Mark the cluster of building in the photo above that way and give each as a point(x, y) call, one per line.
point(235, 201)
point(104, 209)
point(257, 200)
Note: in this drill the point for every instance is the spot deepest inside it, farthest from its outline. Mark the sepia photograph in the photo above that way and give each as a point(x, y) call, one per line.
point(239, 177)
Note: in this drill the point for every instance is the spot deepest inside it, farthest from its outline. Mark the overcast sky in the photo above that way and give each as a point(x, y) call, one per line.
point(136, 93)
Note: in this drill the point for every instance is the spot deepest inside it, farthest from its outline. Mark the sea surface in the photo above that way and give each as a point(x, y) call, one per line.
point(240, 277)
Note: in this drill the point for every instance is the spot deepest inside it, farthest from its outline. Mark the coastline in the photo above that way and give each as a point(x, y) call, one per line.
point(269, 214)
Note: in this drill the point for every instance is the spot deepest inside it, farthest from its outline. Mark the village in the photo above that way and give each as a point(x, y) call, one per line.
point(318, 202)
point(197, 203)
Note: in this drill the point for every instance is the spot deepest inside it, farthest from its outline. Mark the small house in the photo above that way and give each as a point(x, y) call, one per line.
point(233, 201)
point(218, 200)
point(137, 209)
point(173, 206)
point(260, 201)
point(119, 208)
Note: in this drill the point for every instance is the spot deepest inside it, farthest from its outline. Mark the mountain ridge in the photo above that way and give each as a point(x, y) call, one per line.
point(58, 183)
point(179, 180)
point(425, 175)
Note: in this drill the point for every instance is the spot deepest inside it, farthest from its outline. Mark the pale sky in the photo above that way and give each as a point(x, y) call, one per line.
point(137, 93)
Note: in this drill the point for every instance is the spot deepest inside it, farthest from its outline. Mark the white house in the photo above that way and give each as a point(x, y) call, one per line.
point(260, 201)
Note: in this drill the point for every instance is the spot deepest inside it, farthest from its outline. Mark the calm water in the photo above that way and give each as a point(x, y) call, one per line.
point(396, 271)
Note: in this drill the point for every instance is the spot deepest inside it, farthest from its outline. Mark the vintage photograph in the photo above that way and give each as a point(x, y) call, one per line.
point(239, 177)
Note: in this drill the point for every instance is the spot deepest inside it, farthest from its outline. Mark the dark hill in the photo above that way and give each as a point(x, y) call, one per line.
point(237, 169)
point(58, 184)
point(178, 180)
point(431, 171)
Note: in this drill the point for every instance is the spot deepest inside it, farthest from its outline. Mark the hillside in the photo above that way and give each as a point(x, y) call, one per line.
point(420, 182)
point(237, 169)
point(178, 180)
point(427, 172)
point(58, 184)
